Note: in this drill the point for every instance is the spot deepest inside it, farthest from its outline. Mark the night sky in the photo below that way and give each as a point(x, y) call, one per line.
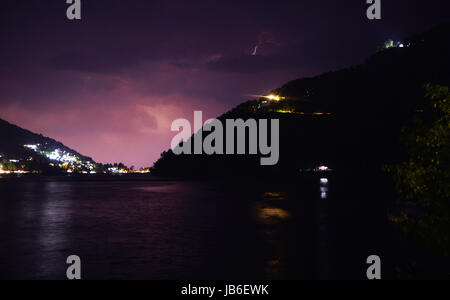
point(111, 84)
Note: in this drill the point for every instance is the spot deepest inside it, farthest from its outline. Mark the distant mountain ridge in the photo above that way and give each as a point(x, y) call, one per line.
point(22, 151)
point(13, 139)
point(350, 119)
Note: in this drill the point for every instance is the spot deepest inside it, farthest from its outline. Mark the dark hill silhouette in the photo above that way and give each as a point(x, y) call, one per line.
point(369, 104)
point(13, 139)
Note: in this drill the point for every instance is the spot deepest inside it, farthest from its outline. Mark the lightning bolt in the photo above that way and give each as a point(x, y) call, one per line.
point(255, 51)
point(264, 38)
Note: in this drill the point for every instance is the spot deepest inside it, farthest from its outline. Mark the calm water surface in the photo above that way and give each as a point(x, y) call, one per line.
point(166, 230)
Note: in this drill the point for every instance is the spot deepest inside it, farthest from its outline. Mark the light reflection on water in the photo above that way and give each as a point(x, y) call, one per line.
point(152, 230)
point(38, 216)
point(277, 213)
point(54, 214)
point(158, 188)
point(269, 215)
point(324, 188)
point(273, 218)
point(274, 196)
point(269, 210)
point(322, 234)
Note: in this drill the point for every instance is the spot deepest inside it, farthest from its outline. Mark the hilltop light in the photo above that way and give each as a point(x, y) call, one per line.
point(323, 168)
point(273, 97)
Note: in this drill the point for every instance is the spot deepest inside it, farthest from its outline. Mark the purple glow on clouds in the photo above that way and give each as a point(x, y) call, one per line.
point(111, 85)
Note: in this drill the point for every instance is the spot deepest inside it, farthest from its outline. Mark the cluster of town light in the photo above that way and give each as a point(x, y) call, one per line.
point(11, 172)
point(3, 171)
point(117, 171)
point(65, 160)
point(73, 163)
point(391, 44)
point(318, 169)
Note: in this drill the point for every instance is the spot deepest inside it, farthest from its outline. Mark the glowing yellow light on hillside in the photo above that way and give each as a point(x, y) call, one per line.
point(273, 97)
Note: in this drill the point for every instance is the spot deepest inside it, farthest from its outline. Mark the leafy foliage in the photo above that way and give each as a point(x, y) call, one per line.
point(424, 179)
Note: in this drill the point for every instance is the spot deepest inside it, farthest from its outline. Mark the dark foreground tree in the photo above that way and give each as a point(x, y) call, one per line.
point(424, 179)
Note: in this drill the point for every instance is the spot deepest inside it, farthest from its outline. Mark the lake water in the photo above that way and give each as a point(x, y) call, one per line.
point(129, 229)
